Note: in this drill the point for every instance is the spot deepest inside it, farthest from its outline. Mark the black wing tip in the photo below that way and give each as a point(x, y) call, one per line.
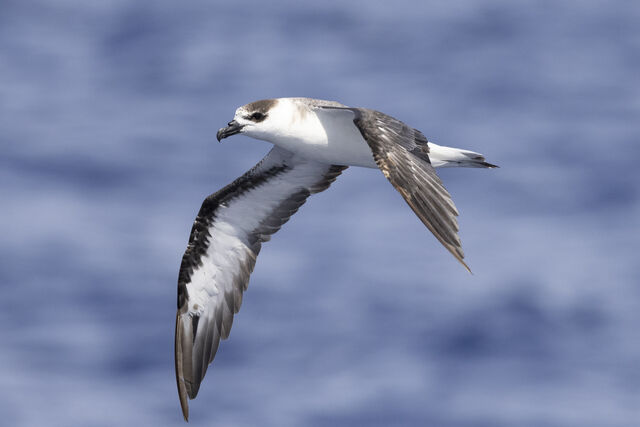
point(182, 387)
point(457, 253)
point(185, 410)
point(184, 403)
point(480, 162)
point(466, 266)
point(185, 394)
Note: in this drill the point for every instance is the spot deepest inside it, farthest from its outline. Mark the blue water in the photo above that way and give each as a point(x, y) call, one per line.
point(355, 315)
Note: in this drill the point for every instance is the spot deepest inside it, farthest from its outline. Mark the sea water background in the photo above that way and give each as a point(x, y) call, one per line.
point(355, 315)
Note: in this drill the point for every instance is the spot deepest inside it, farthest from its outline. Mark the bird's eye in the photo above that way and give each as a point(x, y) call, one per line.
point(257, 116)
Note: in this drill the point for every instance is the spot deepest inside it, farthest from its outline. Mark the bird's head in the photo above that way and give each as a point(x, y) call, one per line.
point(254, 119)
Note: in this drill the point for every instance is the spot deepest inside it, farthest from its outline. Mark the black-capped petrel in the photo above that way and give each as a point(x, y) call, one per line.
point(314, 141)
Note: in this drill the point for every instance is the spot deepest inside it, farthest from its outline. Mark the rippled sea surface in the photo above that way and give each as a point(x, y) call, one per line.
point(355, 315)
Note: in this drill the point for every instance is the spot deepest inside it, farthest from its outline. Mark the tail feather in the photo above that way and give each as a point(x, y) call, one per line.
point(443, 157)
point(477, 162)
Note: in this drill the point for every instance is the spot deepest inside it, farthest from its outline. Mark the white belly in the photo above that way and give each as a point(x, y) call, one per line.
point(332, 139)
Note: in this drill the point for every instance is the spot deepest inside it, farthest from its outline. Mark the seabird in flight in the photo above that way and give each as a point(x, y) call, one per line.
point(314, 141)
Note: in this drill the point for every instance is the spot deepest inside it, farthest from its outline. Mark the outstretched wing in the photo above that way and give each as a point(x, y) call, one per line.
point(225, 240)
point(402, 154)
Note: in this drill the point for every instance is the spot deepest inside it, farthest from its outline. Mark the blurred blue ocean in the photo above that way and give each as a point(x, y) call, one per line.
point(355, 315)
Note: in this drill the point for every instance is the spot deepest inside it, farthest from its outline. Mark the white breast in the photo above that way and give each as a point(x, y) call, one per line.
point(327, 136)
